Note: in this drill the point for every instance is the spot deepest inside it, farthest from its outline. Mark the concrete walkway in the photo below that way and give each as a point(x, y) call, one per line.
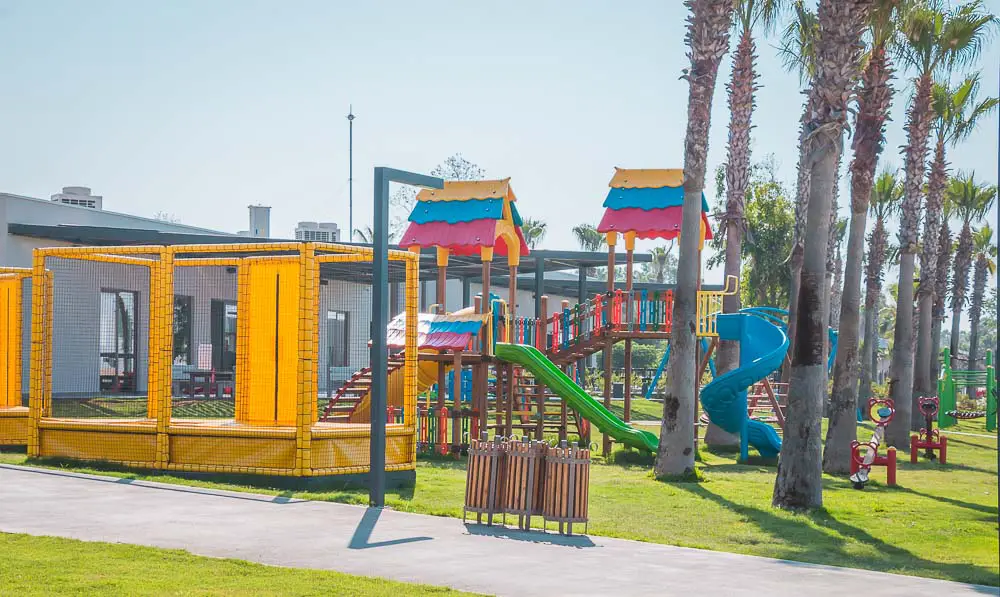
point(410, 547)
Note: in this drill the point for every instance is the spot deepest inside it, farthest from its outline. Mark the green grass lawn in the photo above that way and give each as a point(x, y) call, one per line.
point(940, 522)
point(54, 566)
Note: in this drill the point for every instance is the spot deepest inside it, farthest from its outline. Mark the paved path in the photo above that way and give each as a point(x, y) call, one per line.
point(410, 547)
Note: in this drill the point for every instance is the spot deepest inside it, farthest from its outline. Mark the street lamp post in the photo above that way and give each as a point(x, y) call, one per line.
point(350, 174)
point(380, 319)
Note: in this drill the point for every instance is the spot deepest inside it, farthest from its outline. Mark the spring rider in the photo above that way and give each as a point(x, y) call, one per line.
point(865, 455)
point(929, 438)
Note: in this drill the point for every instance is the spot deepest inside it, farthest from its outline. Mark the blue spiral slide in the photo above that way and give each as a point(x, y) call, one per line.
point(762, 349)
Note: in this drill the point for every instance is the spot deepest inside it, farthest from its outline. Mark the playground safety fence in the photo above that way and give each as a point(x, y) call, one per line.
point(213, 358)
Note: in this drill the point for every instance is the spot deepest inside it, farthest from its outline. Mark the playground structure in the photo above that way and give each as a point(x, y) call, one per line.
point(951, 383)
point(767, 398)
point(645, 204)
point(209, 357)
point(15, 293)
point(240, 359)
point(929, 439)
point(864, 455)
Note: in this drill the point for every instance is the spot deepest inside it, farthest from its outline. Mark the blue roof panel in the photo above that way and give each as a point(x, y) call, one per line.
point(455, 327)
point(454, 212)
point(647, 199)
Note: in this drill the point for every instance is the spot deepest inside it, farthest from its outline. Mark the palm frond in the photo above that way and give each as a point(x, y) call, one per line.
point(970, 200)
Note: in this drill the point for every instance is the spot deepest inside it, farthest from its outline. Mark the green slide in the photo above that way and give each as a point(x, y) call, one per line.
point(546, 372)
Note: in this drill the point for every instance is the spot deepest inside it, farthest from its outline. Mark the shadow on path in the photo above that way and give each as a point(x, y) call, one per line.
point(363, 534)
point(537, 536)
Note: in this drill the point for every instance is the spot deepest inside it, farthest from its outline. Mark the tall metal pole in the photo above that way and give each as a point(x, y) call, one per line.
point(379, 349)
point(379, 355)
point(350, 173)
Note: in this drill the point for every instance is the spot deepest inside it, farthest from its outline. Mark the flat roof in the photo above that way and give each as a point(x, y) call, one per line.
point(459, 267)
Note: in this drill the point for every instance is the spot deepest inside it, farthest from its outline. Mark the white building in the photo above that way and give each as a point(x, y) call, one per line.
point(79, 196)
point(322, 232)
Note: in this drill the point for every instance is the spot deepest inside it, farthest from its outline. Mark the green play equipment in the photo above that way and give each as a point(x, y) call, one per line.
point(953, 379)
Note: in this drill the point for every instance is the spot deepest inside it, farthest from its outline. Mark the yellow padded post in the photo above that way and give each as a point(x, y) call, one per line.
point(165, 328)
point(47, 354)
point(36, 390)
point(307, 331)
point(410, 356)
point(10, 342)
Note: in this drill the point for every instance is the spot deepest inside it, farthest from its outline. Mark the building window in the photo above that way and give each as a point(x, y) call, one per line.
point(337, 338)
point(182, 330)
point(118, 341)
point(223, 335)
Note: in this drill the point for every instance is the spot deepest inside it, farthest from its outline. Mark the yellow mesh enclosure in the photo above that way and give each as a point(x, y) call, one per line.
point(240, 358)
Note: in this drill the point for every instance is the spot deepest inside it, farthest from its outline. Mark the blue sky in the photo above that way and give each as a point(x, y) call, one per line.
point(201, 108)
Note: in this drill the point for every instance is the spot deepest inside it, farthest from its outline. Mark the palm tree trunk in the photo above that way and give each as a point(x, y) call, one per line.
point(924, 383)
point(837, 296)
point(975, 314)
point(708, 41)
point(831, 261)
point(799, 483)
point(901, 371)
point(874, 100)
point(940, 290)
point(960, 287)
point(742, 86)
point(798, 241)
point(877, 243)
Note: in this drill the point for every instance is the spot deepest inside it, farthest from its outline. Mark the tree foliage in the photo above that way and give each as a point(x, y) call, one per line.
point(765, 278)
point(662, 269)
point(402, 200)
point(534, 231)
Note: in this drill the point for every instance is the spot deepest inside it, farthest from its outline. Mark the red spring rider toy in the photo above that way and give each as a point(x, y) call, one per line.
point(865, 455)
point(930, 439)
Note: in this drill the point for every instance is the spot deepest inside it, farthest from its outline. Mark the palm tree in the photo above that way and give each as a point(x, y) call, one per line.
point(534, 231)
point(941, 277)
point(748, 15)
point(799, 483)
point(874, 101)
point(935, 39)
point(971, 201)
point(798, 51)
point(707, 40)
point(956, 113)
point(588, 237)
point(985, 253)
point(364, 235)
point(661, 263)
point(838, 232)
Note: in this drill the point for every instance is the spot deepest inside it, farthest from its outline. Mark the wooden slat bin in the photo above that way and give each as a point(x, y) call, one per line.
point(524, 487)
point(485, 478)
point(567, 482)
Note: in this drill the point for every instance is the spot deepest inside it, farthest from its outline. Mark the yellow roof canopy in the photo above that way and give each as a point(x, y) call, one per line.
point(647, 178)
point(463, 190)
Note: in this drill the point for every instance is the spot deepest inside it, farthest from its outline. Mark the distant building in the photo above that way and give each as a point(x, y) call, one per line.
point(260, 221)
point(80, 196)
point(324, 232)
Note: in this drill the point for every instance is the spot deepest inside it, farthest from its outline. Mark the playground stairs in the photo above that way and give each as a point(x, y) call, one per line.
point(578, 350)
point(766, 403)
point(524, 411)
point(343, 404)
